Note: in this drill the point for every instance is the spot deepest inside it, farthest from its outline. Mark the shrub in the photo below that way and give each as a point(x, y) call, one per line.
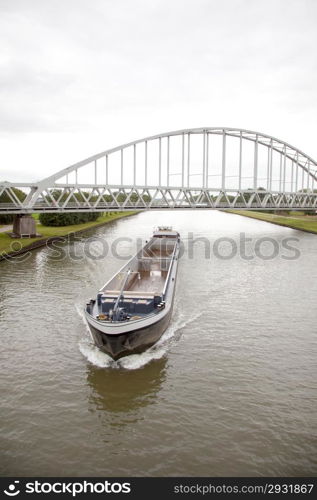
point(6, 219)
point(67, 219)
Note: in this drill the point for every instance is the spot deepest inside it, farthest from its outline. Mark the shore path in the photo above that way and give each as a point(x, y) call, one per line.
point(3, 229)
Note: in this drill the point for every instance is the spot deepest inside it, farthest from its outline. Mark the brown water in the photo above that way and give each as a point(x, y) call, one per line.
point(229, 390)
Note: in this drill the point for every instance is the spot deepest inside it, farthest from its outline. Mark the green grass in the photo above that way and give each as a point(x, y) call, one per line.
point(7, 244)
point(302, 222)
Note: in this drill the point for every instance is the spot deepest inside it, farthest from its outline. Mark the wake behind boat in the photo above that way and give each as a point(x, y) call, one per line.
point(134, 307)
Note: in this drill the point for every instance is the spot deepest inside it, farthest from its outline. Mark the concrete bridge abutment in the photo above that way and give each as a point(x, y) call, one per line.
point(24, 226)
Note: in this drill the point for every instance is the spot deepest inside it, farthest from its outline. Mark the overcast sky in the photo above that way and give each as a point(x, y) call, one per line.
point(80, 76)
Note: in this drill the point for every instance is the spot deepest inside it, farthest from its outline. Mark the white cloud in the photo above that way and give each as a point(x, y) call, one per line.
point(79, 77)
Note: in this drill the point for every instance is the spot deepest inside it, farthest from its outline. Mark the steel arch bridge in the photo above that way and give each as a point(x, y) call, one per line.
point(208, 167)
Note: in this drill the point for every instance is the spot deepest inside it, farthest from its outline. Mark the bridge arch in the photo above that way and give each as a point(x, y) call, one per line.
point(208, 166)
point(281, 147)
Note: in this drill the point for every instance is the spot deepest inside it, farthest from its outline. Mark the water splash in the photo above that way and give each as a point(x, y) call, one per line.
point(94, 355)
point(134, 361)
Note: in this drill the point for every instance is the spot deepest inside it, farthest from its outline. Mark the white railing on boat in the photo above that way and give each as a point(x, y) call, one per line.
point(169, 272)
point(129, 294)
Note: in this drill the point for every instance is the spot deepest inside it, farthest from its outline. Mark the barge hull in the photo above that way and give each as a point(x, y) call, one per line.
point(133, 342)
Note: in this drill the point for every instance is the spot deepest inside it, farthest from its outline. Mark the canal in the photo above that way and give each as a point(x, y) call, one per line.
point(230, 390)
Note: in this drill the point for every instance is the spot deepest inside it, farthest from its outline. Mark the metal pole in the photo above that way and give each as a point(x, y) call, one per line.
point(223, 183)
point(240, 161)
point(146, 163)
point(271, 164)
point(188, 159)
point(204, 158)
point(95, 171)
point(255, 178)
point(296, 181)
point(292, 177)
point(183, 157)
point(134, 165)
point(76, 176)
point(284, 173)
point(160, 161)
point(168, 160)
point(308, 175)
point(268, 170)
point(121, 182)
point(207, 160)
point(280, 181)
point(107, 164)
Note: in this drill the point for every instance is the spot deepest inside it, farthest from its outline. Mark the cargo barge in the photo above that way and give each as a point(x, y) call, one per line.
point(133, 309)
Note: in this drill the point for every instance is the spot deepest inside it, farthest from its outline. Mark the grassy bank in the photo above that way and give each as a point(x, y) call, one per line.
point(293, 220)
point(9, 245)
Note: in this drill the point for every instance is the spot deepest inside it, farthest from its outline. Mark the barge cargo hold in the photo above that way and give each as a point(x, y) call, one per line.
point(133, 309)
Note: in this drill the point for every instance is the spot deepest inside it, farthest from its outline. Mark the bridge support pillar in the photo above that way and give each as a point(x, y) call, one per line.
point(24, 227)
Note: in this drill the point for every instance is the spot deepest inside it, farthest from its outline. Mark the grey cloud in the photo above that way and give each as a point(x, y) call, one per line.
point(17, 76)
point(80, 66)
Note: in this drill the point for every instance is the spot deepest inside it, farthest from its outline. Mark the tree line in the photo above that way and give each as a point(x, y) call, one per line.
point(66, 218)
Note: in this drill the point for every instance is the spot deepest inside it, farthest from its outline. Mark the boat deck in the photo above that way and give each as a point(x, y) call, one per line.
point(157, 253)
point(150, 281)
point(136, 291)
point(149, 272)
